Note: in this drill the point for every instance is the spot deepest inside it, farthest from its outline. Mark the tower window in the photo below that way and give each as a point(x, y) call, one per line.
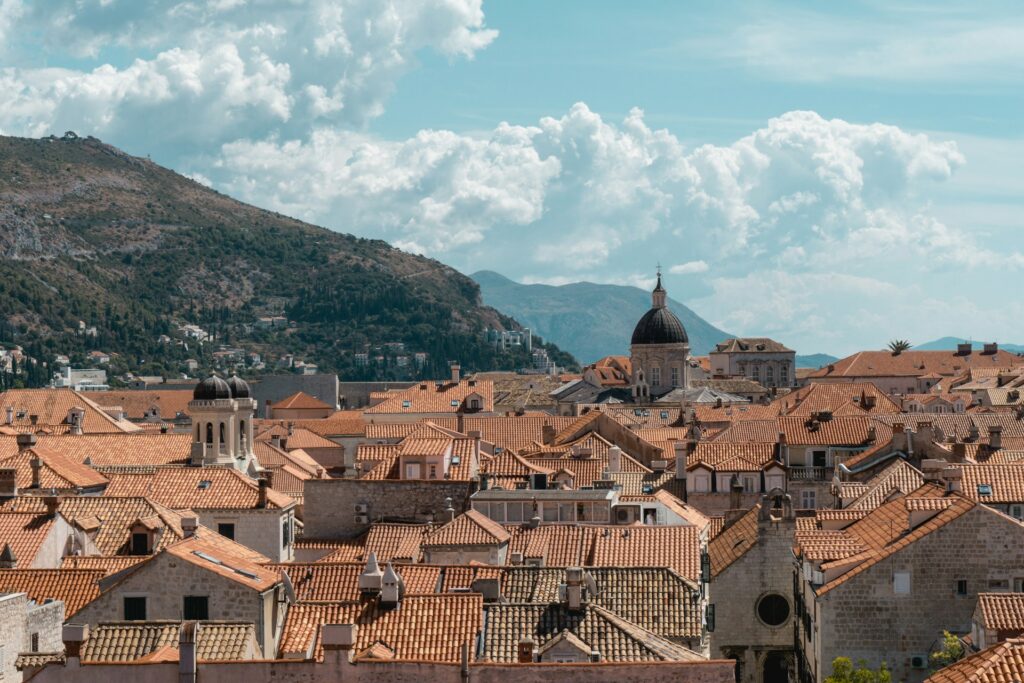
point(675, 377)
point(656, 375)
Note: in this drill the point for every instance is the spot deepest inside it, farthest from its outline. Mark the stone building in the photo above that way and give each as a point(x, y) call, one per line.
point(752, 592)
point(27, 627)
point(883, 587)
point(222, 413)
point(659, 350)
point(763, 360)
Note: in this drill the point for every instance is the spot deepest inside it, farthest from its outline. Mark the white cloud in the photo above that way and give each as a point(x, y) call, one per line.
point(690, 268)
point(211, 73)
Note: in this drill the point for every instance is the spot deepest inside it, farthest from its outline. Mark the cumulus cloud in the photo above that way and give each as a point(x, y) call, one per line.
point(690, 268)
point(213, 72)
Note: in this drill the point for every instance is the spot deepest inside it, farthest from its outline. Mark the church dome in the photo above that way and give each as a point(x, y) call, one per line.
point(659, 325)
point(211, 389)
point(239, 387)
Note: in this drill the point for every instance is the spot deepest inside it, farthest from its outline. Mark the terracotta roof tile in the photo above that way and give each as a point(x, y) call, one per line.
point(1002, 611)
point(113, 449)
point(110, 564)
point(914, 364)
point(733, 541)
point(675, 547)
point(51, 408)
point(138, 405)
point(228, 559)
point(76, 587)
point(300, 400)
point(427, 397)
point(184, 488)
point(994, 483)
point(25, 533)
point(57, 471)
point(469, 528)
point(129, 641)
point(339, 581)
point(1001, 663)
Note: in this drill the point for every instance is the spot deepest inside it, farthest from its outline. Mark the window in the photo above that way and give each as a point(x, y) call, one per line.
point(140, 544)
point(34, 643)
point(961, 587)
point(655, 375)
point(196, 607)
point(412, 470)
point(675, 377)
point(784, 375)
point(1018, 585)
point(701, 484)
point(286, 532)
point(769, 375)
point(756, 373)
point(773, 609)
point(226, 529)
point(984, 489)
point(514, 511)
point(550, 512)
point(808, 499)
point(901, 583)
point(135, 609)
point(819, 458)
point(433, 471)
point(1017, 511)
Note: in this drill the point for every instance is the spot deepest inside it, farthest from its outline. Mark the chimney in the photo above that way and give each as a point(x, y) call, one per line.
point(872, 433)
point(574, 588)
point(525, 651)
point(489, 588)
point(548, 435)
point(33, 420)
point(614, 460)
point(995, 437)
point(963, 349)
point(991, 349)
point(391, 587)
point(783, 449)
point(449, 511)
point(869, 401)
point(7, 558)
point(973, 434)
point(460, 421)
point(26, 441)
point(261, 501)
point(339, 639)
point(187, 660)
point(954, 479)
point(275, 441)
point(189, 525)
point(266, 409)
point(456, 372)
point(931, 469)
point(51, 503)
point(74, 637)
point(372, 578)
point(37, 465)
point(10, 415)
point(959, 452)
point(735, 493)
point(681, 448)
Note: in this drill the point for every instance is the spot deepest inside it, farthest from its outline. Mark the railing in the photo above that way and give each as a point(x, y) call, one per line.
point(810, 473)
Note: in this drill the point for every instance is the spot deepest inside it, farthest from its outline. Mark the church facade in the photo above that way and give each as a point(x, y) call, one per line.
point(659, 350)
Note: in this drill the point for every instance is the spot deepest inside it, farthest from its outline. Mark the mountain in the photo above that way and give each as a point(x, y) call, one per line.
point(91, 237)
point(815, 360)
point(588, 320)
point(949, 344)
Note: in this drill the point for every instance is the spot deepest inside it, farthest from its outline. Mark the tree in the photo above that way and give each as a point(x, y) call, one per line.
point(843, 671)
point(952, 651)
point(898, 346)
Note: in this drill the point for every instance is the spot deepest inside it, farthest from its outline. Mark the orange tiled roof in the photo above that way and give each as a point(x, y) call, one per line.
point(734, 541)
point(422, 627)
point(676, 547)
point(183, 488)
point(268, 455)
point(25, 533)
point(76, 587)
point(296, 438)
point(427, 397)
point(1002, 611)
point(819, 396)
point(339, 581)
point(228, 559)
point(152, 641)
point(1005, 481)
point(137, 405)
point(899, 477)
point(300, 400)
point(1001, 663)
point(139, 448)
point(732, 457)
point(109, 564)
point(914, 364)
point(51, 408)
point(469, 528)
point(57, 471)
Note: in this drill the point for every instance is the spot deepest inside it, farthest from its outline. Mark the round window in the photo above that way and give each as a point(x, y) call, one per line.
point(773, 609)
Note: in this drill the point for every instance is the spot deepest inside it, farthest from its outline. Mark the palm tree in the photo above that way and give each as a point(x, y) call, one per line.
point(898, 346)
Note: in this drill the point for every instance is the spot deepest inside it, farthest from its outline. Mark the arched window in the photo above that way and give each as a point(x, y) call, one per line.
point(209, 433)
point(198, 430)
point(241, 434)
point(222, 439)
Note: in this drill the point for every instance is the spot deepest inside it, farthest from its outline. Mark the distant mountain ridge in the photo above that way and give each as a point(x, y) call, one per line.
point(586, 319)
point(950, 344)
point(814, 360)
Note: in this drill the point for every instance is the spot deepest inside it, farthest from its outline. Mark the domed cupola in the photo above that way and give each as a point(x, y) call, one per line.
point(239, 387)
point(211, 389)
point(659, 325)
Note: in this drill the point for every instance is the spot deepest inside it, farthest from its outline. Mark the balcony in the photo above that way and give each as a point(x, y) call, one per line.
point(796, 473)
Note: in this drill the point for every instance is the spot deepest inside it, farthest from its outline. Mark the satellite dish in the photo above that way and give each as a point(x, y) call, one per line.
point(289, 589)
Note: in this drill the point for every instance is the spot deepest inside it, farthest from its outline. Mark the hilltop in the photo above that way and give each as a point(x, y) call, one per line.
point(89, 233)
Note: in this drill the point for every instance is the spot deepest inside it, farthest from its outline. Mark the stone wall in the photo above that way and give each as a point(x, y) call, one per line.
point(12, 633)
point(739, 632)
point(864, 619)
point(330, 503)
point(46, 620)
point(716, 504)
point(259, 529)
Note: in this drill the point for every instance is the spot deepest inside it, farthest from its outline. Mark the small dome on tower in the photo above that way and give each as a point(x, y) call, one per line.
point(211, 389)
point(239, 387)
point(659, 325)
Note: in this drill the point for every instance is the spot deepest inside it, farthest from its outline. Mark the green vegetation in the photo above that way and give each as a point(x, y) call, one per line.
point(93, 235)
point(952, 651)
point(843, 671)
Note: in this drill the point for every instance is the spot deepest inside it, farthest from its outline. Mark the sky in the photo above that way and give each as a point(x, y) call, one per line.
point(832, 175)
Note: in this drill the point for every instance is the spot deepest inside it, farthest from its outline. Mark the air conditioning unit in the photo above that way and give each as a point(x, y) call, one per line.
point(361, 508)
point(919, 661)
point(362, 519)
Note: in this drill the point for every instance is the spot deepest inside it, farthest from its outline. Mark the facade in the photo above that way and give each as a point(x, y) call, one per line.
point(758, 358)
point(27, 628)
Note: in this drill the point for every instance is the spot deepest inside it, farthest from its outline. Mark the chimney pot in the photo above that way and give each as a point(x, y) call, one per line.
point(74, 636)
point(264, 484)
point(26, 441)
point(189, 525)
point(995, 436)
point(37, 466)
point(456, 373)
point(52, 503)
point(525, 651)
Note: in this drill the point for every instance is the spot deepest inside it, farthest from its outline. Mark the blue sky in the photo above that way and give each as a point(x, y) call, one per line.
point(829, 174)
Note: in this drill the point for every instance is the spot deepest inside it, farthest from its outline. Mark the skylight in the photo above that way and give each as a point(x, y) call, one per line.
point(204, 484)
point(984, 489)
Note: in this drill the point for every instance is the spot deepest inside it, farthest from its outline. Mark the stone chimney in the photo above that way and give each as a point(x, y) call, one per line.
point(456, 373)
point(995, 437)
point(37, 466)
point(51, 503)
point(7, 558)
point(548, 434)
point(931, 469)
point(872, 434)
point(391, 588)
point(783, 449)
point(525, 651)
point(990, 349)
point(449, 509)
point(189, 525)
point(963, 349)
point(74, 637)
point(261, 500)
point(10, 415)
point(959, 452)
point(26, 441)
point(574, 588)
point(339, 640)
point(954, 479)
point(735, 493)
point(614, 460)
point(489, 588)
point(681, 449)
point(187, 659)
point(372, 579)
